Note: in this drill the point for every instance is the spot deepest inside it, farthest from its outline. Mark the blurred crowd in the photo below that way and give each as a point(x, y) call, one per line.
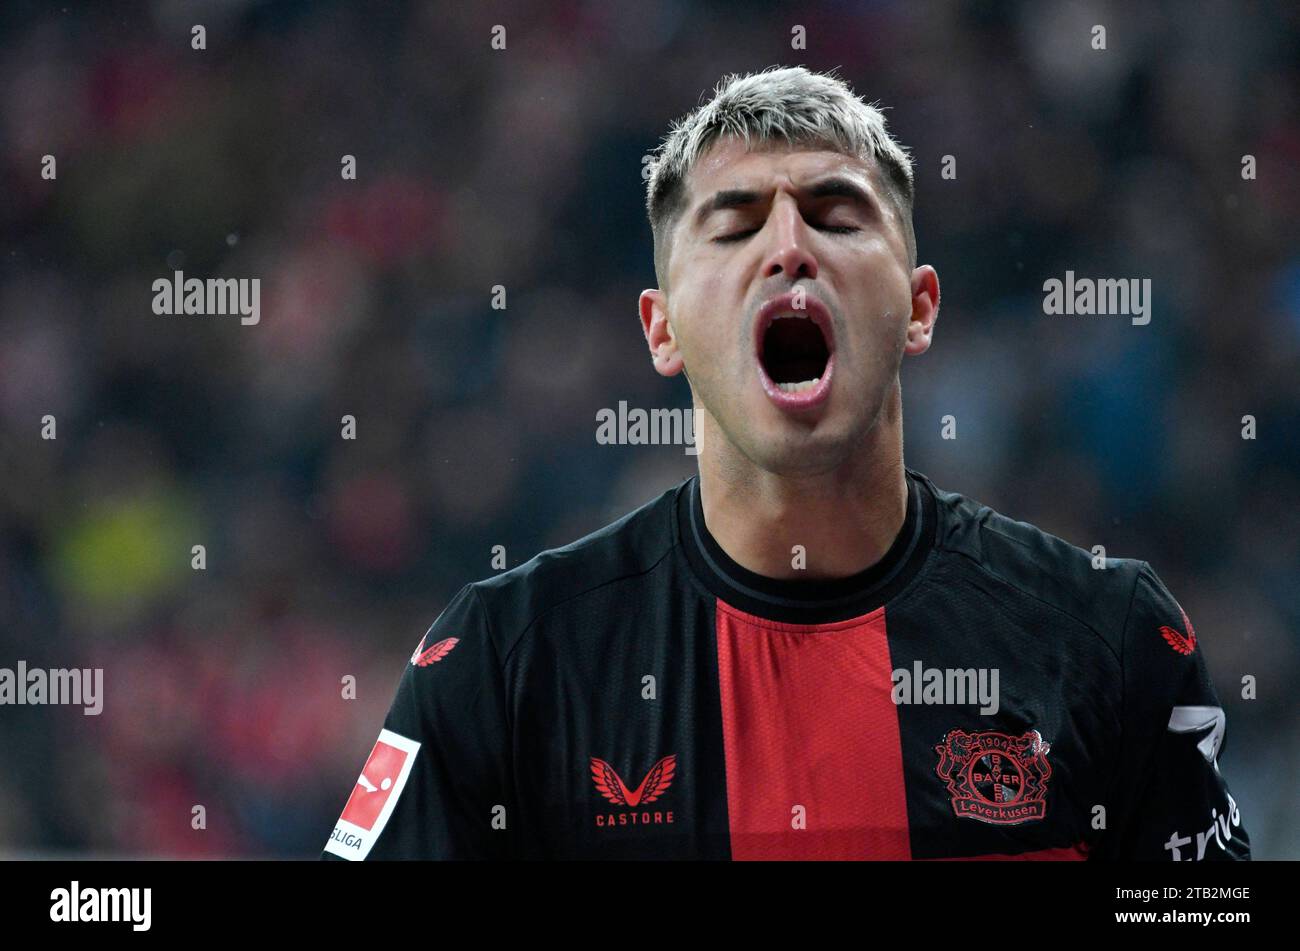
point(327, 558)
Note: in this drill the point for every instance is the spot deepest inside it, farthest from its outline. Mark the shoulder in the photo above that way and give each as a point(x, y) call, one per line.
point(630, 547)
point(1097, 591)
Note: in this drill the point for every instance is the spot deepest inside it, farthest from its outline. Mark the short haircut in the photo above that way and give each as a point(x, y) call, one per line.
point(789, 105)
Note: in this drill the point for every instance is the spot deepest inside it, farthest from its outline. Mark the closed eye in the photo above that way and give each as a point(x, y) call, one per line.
point(742, 235)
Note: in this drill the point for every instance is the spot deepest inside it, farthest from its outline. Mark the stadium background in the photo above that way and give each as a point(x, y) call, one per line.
point(476, 426)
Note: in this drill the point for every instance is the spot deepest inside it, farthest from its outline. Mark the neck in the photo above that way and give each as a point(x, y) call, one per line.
point(844, 519)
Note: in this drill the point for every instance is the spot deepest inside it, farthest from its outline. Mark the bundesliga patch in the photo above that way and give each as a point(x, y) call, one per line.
point(374, 797)
point(995, 777)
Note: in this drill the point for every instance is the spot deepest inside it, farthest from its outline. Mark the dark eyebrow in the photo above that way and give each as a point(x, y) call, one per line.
point(840, 187)
point(836, 186)
point(723, 200)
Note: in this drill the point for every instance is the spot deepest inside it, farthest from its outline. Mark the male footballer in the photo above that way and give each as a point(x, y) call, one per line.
point(807, 650)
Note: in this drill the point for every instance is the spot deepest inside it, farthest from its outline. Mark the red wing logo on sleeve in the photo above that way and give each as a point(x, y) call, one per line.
point(423, 658)
point(611, 786)
point(1175, 638)
point(374, 796)
point(995, 777)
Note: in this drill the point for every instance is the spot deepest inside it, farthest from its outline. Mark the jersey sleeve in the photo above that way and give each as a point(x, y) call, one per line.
point(1170, 800)
point(437, 783)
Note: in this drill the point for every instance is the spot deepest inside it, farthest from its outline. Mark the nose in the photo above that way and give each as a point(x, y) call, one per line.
point(790, 253)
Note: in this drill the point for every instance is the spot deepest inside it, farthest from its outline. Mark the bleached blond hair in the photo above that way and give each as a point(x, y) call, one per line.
point(790, 105)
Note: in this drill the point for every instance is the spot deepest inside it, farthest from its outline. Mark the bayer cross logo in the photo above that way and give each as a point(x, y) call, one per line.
point(996, 779)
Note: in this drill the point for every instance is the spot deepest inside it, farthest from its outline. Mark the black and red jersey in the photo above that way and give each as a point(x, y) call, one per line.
point(985, 690)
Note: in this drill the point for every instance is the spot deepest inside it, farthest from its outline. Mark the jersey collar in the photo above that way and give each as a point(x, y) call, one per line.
point(812, 601)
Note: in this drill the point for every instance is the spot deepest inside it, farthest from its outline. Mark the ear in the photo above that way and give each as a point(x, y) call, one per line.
point(659, 332)
point(925, 310)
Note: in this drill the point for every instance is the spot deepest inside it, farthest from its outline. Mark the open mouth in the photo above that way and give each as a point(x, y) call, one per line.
point(796, 351)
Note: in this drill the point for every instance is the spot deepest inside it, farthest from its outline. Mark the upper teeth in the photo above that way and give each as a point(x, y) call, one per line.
point(793, 313)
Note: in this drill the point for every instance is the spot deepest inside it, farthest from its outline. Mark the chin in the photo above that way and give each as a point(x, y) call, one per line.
point(788, 451)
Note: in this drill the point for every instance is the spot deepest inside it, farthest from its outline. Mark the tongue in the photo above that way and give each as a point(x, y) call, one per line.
point(794, 351)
